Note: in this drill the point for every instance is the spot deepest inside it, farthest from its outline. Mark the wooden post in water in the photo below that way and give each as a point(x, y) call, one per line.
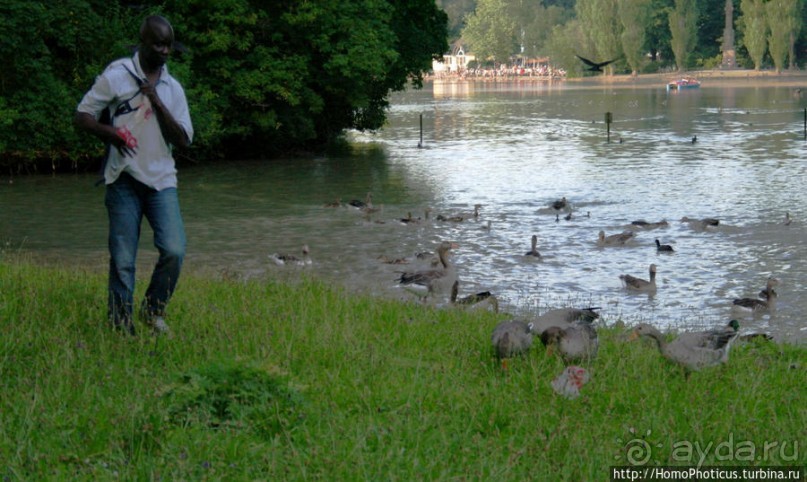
point(420, 144)
point(608, 119)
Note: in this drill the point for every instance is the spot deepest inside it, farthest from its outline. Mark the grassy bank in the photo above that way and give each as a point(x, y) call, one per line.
point(293, 381)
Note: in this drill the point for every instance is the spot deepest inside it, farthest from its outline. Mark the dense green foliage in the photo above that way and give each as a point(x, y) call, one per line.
point(261, 77)
point(265, 380)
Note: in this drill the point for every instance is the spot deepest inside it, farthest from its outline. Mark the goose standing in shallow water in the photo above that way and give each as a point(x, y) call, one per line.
point(615, 239)
point(639, 284)
point(757, 306)
point(511, 338)
point(534, 250)
point(663, 248)
point(290, 259)
point(693, 350)
point(429, 282)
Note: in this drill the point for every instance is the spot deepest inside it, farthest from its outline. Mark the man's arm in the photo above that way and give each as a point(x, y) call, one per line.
point(87, 123)
point(172, 131)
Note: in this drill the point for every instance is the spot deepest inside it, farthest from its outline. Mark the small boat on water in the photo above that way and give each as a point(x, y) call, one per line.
point(683, 83)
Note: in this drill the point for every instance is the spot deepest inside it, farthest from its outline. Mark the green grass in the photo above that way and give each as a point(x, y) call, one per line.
point(274, 380)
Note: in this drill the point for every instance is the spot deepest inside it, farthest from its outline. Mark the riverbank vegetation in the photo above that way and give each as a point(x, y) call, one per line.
point(260, 77)
point(298, 380)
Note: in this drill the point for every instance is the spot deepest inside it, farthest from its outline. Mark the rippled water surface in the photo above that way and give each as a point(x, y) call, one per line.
point(513, 148)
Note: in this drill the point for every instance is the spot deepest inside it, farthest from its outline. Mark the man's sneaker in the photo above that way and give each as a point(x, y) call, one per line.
point(159, 326)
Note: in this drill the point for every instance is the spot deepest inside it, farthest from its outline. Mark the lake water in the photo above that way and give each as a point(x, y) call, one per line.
point(513, 148)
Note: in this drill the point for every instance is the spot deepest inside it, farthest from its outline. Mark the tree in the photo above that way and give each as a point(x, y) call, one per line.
point(491, 31)
point(456, 10)
point(684, 32)
point(634, 16)
point(600, 22)
point(784, 19)
point(729, 54)
point(261, 77)
point(755, 29)
point(778, 15)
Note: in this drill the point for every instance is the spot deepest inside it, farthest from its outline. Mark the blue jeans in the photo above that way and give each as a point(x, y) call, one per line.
point(127, 201)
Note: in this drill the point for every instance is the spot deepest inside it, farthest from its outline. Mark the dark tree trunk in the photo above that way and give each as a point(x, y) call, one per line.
point(729, 54)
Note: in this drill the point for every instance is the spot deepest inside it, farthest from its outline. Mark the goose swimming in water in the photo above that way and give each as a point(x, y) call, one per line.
point(663, 248)
point(787, 219)
point(559, 204)
point(639, 284)
point(290, 259)
point(368, 201)
point(429, 282)
point(641, 223)
point(702, 223)
point(534, 250)
point(615, 239)
point(758, 306)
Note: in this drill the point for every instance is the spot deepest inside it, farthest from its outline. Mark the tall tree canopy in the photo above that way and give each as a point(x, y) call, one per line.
point(683, 28)
point(634, 15)
point(492, 31)
point(261, 77)
point(755, 29)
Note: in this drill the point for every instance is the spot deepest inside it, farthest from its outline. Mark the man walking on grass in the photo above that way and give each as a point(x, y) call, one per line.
point(149, 115)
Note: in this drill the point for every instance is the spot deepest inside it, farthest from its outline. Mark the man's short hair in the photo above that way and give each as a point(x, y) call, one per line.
point(149, 23)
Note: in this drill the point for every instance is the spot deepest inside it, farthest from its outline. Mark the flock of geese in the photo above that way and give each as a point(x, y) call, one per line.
point(568, 331)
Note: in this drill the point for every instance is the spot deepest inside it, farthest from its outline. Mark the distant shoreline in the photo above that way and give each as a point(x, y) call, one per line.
point(707, 77)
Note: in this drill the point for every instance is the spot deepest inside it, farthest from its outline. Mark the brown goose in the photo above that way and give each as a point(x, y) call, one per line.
point(577, 342)
point(479, 300)
point(693, 350)
point(290, 259)
point(534, 250)
point(639, 284)
point(615, 239)
point(564, 318)
point(701, 223)
point(641, 223)
point(755, 305)
point(432, 281)
point(511, 338)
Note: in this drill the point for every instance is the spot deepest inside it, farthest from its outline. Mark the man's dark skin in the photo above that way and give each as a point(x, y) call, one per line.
point(156, 40)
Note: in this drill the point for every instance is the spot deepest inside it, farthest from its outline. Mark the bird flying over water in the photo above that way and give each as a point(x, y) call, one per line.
point(595, 66)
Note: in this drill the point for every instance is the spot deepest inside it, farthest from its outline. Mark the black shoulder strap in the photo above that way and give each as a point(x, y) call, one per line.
point(112, 115)
point(134, 76)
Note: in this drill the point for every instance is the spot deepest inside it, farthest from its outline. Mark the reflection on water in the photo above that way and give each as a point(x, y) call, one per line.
point(514, 148)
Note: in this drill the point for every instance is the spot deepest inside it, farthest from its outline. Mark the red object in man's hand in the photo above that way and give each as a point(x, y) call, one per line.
point(128, 138)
